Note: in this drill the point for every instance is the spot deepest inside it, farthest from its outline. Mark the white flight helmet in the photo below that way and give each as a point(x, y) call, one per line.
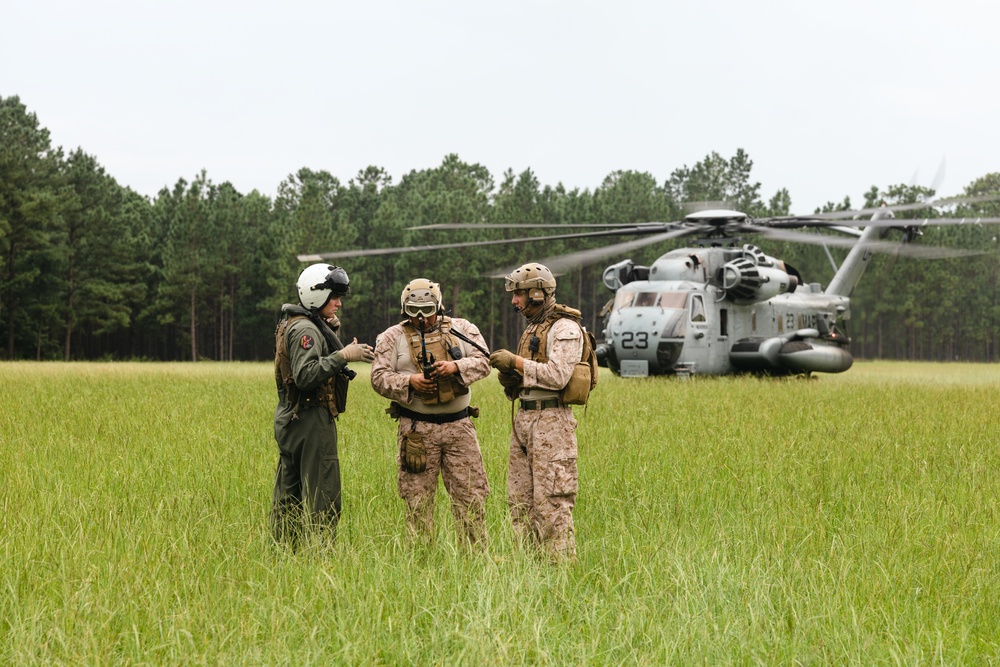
point(319, 283)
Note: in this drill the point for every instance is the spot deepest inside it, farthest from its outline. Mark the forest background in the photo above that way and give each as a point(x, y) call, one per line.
point(90, 269)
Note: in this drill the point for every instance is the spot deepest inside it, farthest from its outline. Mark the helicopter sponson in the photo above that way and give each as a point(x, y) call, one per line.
point(799, 352)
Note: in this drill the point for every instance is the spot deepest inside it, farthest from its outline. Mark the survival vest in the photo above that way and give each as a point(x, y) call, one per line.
point(534, 342)
point(332, 394)
point(439, 343)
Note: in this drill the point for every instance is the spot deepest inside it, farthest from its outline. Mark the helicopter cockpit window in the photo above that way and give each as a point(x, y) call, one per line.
point(666, 300)
point(697, 308)
point(623, 299)
point(673, 299)
point(645, 299)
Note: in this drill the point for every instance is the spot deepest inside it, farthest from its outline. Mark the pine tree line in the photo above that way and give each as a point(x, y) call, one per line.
point(89, 269)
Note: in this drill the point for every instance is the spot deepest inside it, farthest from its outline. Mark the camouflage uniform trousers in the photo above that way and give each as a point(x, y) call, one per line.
point(542, 479)
point(453, 450)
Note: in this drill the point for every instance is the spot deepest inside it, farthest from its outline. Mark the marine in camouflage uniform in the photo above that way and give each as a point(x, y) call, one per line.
point(311, 374)
point(542, 477)
point(428, 383)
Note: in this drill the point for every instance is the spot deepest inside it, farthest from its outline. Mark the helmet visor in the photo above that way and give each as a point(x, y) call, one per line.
point(419, 309)
point(336, 281)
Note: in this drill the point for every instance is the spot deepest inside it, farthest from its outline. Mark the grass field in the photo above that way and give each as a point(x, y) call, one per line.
point(847, 519)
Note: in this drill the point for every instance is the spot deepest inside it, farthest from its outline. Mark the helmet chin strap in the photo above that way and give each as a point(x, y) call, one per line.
point(531, 308)
point(536, 308)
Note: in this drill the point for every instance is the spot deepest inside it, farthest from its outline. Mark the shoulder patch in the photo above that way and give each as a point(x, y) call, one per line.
point(307, 342)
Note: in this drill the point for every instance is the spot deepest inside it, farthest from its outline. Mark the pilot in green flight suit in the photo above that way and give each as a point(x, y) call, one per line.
point(311, 374)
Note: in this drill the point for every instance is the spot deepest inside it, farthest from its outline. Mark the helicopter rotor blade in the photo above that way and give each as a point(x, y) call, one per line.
point(528, 225)
point(814, 220)
point(933, 222)
point(563, 263)
point(888, 247)
point(884, 222)
point(632, 229)
point(920, 251)
point(936, 203)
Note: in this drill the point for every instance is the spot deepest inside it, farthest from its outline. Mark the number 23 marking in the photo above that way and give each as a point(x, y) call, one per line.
point(635, 340)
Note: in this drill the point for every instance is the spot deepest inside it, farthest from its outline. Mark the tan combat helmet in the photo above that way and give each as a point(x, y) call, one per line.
point(420, 297)
point(533, 277)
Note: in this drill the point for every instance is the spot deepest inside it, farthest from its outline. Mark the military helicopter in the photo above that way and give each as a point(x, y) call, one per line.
point(724, 306)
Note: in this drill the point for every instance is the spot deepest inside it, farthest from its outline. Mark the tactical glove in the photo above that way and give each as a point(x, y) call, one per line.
point(414, 455)
point(510, 380)
point(503, 361)
point(511, 383)
point(357, 352)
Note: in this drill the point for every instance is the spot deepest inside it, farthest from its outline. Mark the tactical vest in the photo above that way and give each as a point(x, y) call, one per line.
point(332, 394)
point(439, 344)
point(533, 345)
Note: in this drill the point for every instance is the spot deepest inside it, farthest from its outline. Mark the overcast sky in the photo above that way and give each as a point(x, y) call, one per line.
point(827, 99)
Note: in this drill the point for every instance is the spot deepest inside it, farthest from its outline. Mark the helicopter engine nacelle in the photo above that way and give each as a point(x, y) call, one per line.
point(623, 273)
point(745, 281)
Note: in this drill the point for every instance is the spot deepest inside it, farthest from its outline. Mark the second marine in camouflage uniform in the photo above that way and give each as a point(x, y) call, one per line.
point(427, 377)
point(542, 477)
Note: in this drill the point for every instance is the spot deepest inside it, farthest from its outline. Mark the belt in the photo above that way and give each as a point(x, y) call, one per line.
point(434, 418)
point(539, 405)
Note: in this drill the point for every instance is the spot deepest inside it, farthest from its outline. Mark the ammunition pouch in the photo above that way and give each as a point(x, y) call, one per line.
point(307, 400)
point(577, 390)
point(447, 389)
point(584, 378)
point(332, 395)
point(413, 454)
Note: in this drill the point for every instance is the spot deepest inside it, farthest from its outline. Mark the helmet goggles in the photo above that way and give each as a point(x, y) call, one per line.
point(534, 277)
point(412, 309)
point(336, 281)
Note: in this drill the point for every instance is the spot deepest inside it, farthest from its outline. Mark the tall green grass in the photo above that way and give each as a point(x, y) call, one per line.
point(844, 519)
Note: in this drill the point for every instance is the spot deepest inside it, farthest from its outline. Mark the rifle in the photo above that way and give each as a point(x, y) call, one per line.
point(426, 359)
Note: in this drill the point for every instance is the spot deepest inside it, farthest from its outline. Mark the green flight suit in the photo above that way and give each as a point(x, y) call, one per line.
point(307, 481)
